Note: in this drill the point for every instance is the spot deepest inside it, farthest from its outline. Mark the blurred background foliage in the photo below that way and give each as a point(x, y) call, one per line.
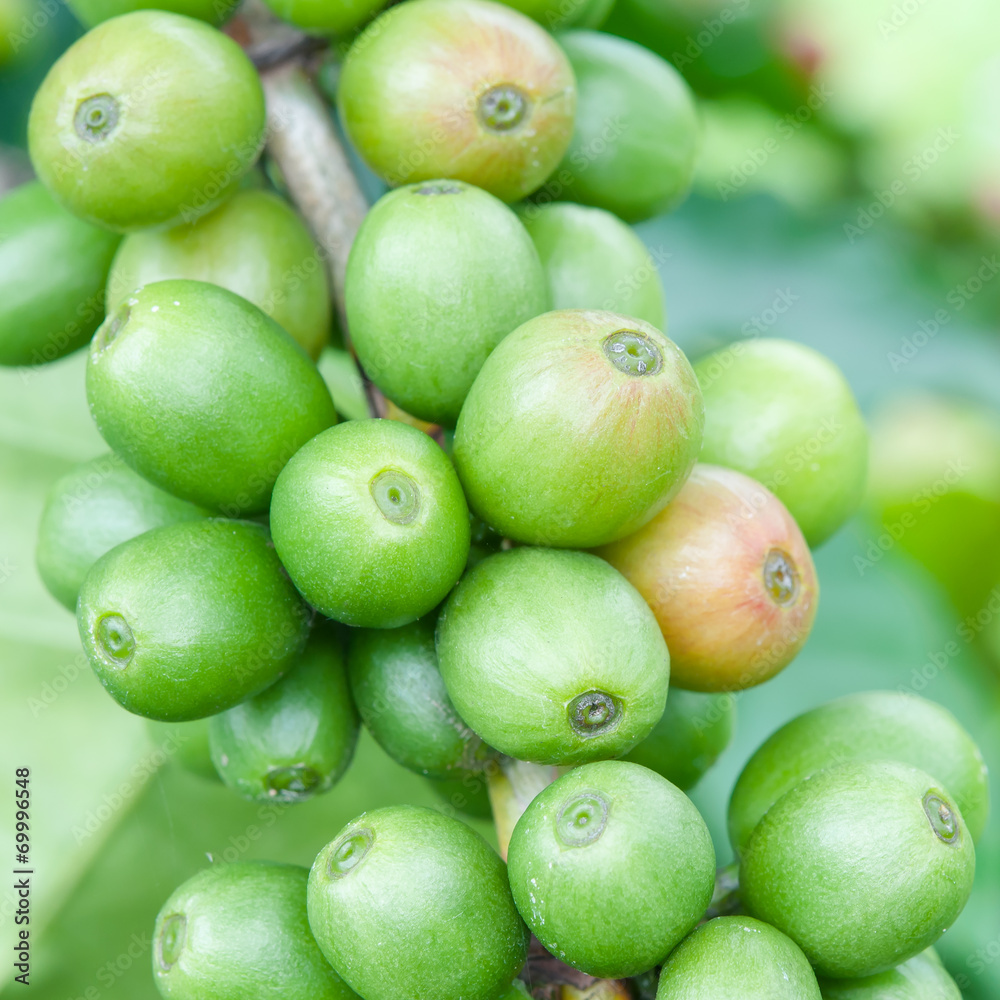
point(848, 197)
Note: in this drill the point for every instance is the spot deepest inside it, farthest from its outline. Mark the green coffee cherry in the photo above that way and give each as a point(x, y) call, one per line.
point(871, 725)
point(737, 958)
point(323, 17)
point(580, 427)
point(190, 619)
point(466, 793)
point(636, 136)
point(553, 657)
point(923, 977)
point(92, 12)
point(557, 15)
point(439, 274)
point(203, 394)
point(256, 246)
point(187, 743)
point(402, 699)
point(52, 267)
point(97, 505)
point(784, 415)
point(594, 261)
point(611, 866)
point(863, 866)
point(240, 930)
point(370, 522)
point(149, 119)
point(408, 904)
point(691, 734)
point(296, 739)
point(458, 88)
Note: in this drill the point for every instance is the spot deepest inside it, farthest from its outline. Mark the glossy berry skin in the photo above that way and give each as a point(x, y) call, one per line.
point(558, 15)
point(594, 261)
point(408, 904)
point(149, 119)
point(729, 577)
point(190, 619)
point(97, 505)
point(296, 739)
point(552, 657)
point(923, 977)
point(439, 274)
point(784, 415)
point(580, 427)
point(870, 725)
point(691, 734)
point(611, 866)
point(203, 394)
point(256, 246)
point(370, 522)
point(636, 137)
point(240, 930)
point(324, 17)
point(737, 958)
point(52, 268)
point(465, 89)
point(92, 12)
point(863, 866)
point(402, 699)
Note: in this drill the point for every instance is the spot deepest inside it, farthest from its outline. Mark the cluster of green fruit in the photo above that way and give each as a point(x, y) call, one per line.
point(508, 594)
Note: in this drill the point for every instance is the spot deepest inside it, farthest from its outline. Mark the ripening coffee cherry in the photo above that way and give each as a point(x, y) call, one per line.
point(203, 394)
point(594, 261)
point(439, 274)
point(402, 699)
point(580, 427)
point(408, 904)
point(737, 958)
point(466, 89)
point(97, 505)
point(296, 739)
point(863, 866)
point(52, 268)
point(370, 522)
point(611, 866)
point(92, 12)
point(240, 930)
point(553, 657)
point(870, 725)
point(691, 734)
point(729, 577)
point(190, 619)
point(636, 137)
point(784, 415)
point(923, 977)
point(255, 245)
point(149, 119)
